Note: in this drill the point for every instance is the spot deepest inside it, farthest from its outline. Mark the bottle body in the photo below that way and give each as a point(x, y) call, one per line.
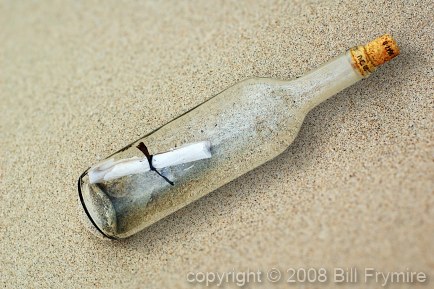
point(246, 125)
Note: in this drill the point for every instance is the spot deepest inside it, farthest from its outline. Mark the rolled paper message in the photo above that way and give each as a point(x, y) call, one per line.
point(111, 169)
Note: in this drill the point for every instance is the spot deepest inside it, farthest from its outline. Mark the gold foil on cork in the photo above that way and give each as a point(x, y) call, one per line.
point(367, 58)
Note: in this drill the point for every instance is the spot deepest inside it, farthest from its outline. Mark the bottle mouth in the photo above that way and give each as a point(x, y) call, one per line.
point(367, 58)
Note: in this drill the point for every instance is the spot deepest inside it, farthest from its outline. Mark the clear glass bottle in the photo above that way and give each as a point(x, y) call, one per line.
point(243, 127)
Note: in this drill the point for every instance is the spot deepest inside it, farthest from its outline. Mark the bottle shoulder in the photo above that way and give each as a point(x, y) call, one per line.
point(287, 93)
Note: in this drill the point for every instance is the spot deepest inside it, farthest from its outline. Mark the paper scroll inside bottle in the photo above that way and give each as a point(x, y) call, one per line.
point(111, 169)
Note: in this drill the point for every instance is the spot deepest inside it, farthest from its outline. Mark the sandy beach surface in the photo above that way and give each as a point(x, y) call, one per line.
point(81, 79)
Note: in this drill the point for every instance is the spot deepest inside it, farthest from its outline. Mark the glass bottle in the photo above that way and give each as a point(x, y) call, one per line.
point(233, 132)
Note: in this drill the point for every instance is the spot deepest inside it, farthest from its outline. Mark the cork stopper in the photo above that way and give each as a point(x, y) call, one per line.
point(366, 58)
point(382, 49)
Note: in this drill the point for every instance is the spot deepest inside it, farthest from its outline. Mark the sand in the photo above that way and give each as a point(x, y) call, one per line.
point(79, 81)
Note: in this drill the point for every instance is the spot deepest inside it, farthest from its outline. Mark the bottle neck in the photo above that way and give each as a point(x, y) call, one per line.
point(325, 81)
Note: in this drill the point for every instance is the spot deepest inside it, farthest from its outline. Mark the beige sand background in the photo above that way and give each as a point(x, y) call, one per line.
point(81, 79)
